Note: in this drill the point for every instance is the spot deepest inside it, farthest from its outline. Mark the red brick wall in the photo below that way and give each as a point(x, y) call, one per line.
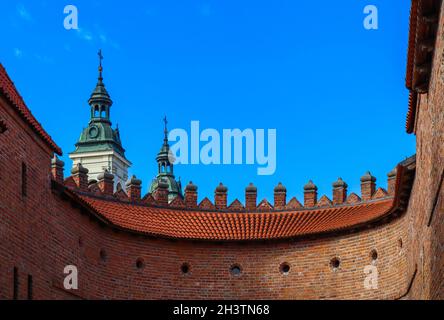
point(310, 275)
point(426, 242)
point(23, 231)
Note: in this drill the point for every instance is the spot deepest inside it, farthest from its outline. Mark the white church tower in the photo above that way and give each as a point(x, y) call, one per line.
point(99, 147)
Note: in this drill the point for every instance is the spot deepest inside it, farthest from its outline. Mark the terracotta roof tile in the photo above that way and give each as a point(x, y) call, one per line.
point(8, 88)
point(190, 224)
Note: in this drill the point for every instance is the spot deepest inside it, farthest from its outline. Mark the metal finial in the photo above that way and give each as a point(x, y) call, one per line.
point(100, 63)
point(165, 120)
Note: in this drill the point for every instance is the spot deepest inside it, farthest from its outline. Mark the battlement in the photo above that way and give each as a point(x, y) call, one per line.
point(103, 187)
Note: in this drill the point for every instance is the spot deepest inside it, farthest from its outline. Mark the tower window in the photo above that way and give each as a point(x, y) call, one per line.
point(16, 284)
point(335, 263)
point(103, 255)
point(185, 268)
point(140, 264)
point(284, 268)
point(3, 127)
point(24, 180)
point(235, 270)
point(374, 255)
point(29, 287)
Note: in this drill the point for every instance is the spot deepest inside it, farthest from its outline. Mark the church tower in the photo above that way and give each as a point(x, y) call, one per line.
point(166, 169)
point(99, 147)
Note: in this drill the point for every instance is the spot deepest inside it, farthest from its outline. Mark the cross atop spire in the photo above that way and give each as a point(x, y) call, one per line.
point(100, 64)
point(165, 131)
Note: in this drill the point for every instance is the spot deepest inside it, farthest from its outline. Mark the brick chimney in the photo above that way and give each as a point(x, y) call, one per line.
point(250, 197)
point(339, 191)
point(105, 181)
point(80, 177)
point(57, 169)
point(220, 196)
point(133, 188)
point(191, 195)
point(280, 196)
point(161, 193)
point(368, 186)
point(310, 194)
point(391, 182)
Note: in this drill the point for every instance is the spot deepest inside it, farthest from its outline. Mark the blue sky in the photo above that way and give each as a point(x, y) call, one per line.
point(333, 90)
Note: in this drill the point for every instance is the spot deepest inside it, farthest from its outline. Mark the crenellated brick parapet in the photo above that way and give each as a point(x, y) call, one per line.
point(369, 192)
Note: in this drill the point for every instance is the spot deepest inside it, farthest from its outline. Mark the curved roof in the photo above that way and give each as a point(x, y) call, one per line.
point(8, 88)
point(219, 226)
point(175, 222)
point(216, 225)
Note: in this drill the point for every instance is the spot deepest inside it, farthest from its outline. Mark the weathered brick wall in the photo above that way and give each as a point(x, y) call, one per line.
point(23, 231)
point(426, 242)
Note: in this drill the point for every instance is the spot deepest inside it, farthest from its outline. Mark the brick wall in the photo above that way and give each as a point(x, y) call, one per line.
point(23, 231)
point(426, 242)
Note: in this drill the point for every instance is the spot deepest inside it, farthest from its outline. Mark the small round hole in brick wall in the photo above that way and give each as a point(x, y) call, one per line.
point(400, 243)
point(374, 255)
point(235, 270)
point(185, 268)
point(103, 255)
point(284, 268)
point(140, 264)
point(335, 263)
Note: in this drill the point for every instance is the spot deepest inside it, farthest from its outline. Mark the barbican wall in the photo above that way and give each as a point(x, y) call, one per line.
point(40, 233)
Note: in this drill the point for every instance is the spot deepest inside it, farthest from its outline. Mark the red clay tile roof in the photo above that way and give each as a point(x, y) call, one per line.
point(8, 88)
point(209, 225)
point(410, 60)
point(411, 112)
point(219, 226)
point(411, 43)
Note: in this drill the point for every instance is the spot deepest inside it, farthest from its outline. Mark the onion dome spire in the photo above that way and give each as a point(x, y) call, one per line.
point(99, 96)
point(165, 162)
point(165, 131)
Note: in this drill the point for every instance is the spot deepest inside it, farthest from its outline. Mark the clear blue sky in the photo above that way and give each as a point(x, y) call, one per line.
point(333, 90)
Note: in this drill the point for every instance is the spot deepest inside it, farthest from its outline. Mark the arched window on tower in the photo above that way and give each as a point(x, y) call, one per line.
point(102, 112)
point(96, 111)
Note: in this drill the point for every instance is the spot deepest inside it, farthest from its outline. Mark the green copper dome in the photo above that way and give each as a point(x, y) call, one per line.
point(99, 135)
